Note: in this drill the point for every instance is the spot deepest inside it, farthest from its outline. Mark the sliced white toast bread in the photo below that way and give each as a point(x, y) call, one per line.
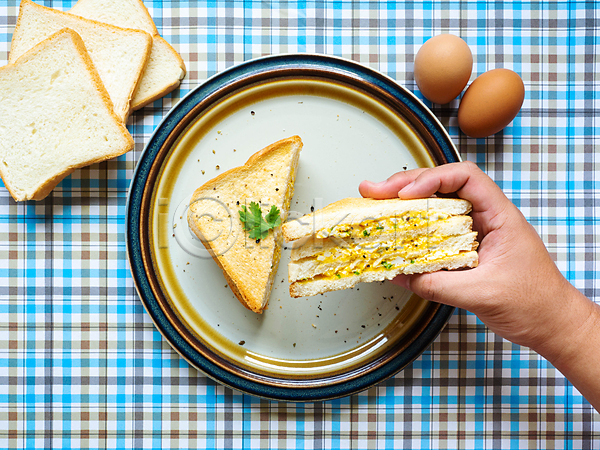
point(452, 226)
point(345, 259)
point(356, 210)
point(267, 178)
point(318, 285)
point(119, 54)
point(55, 116)
point(164, 70)
point(121, 13)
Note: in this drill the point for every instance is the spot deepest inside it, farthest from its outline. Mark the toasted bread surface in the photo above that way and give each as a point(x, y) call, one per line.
point(164, 69)
point(55, 116)
point(267, 178)
point(119, 55)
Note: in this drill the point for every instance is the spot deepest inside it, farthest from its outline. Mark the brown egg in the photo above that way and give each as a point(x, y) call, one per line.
point(442, 68)
point(490, 103)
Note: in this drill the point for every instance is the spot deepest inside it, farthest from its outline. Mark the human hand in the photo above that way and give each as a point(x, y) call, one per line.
point(516, 290)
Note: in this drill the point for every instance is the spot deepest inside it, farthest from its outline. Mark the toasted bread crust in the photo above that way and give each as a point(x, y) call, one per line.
point(249, 267)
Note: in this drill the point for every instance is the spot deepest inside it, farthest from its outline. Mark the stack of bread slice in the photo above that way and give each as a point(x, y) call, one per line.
point(164, 68)
point(70, 85)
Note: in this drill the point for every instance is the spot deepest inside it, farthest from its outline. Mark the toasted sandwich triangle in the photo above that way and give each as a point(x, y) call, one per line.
point(267, 178)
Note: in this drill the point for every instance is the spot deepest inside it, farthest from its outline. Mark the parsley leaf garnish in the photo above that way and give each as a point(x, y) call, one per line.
point(254, 222)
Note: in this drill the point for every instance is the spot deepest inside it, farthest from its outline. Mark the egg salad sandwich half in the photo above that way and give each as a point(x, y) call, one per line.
point(363, 240)
point(238, 217)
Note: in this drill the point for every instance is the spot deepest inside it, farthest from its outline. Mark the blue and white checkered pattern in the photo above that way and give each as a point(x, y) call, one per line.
point(82, 365)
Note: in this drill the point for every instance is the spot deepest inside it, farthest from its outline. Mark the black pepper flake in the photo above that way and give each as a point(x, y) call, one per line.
point(336, 331)
point(405, 167)
point(237, 203)
point(294, 344)
point(277, 189)
point(241, 342)
point(252, 112)
point(363, 326)
point(397, 308)
point(312, 208)
point(258, 241)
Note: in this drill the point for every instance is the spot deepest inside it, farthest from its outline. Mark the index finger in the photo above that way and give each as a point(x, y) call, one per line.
point(390, 187)
point(465, 179)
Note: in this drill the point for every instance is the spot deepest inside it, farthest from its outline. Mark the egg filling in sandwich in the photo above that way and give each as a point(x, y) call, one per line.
point(238, 217)
point(362, 240)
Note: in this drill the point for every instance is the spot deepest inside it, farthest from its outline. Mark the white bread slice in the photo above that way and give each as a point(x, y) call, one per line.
point(318, 285)
point(165, 68)
point(454, 225)
point(267, 178)
point(356, 210)
point(55, 116)
point(121, 13)
point(119, 54)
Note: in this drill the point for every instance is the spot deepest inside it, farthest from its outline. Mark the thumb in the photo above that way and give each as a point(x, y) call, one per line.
point(457, 288)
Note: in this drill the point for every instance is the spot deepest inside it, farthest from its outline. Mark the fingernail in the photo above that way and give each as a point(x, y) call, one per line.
point(406, 188)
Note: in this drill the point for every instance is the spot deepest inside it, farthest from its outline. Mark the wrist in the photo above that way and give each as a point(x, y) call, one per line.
point(575, 323)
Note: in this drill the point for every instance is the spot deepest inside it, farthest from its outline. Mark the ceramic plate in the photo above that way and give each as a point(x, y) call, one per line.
point(355, 124)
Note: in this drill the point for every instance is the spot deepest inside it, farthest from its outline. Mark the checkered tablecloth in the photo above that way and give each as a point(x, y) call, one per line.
point(82, 365)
